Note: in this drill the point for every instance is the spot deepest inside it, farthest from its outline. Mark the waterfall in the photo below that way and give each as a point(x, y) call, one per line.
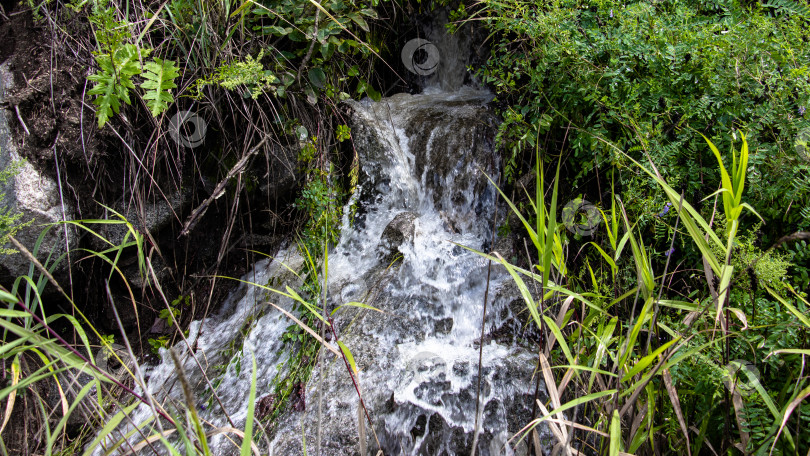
point(423, 195)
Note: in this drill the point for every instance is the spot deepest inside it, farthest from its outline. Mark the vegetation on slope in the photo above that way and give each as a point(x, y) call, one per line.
point(679, 322)
point(692, 331)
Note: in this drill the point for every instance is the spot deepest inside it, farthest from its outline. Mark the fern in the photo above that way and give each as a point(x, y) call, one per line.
point(113, 80)
point(789, 7)
point(158, 82)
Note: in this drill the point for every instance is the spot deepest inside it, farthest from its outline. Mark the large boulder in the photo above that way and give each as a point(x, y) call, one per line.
point(37, 196)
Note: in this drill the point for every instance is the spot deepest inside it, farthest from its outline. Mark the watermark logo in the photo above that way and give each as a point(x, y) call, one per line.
point(802, 143)
point(354, 291)
point(572, 217)
point(424, 366)
point(187, 129)
point(741, 376)
point(420, 57)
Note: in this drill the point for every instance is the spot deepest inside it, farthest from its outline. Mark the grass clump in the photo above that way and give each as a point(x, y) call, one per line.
point(646, 370)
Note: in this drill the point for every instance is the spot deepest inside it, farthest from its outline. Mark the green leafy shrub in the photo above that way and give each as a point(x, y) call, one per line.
point(321, 200)
point(646, 76)
point(647, 370)
point(119, 62)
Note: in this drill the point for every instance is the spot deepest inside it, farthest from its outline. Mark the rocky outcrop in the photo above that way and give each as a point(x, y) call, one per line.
point(35, 195)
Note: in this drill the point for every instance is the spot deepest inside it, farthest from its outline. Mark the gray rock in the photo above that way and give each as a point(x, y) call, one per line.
point(282, 173)
point(400, 230)
point(152, 216)
point(37, 197)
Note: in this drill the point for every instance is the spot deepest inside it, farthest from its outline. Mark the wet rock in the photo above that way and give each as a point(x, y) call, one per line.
point(281, 174)
point(224, 346)
point(455, 160)
point(398, 231)
point(401, 426)
point(425, 157)
point(151, 215)
point(36, 196)
point(449, 147)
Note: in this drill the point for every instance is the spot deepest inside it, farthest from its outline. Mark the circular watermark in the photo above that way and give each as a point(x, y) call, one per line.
point(741, 376)
point(420, 57)
point(187, 129)
point(424, 365)
point(575, 224)
point(802, 143)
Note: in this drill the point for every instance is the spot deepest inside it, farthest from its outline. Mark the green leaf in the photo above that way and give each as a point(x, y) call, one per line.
point(158, 82)
point(524, 290)
point(647, 360)
point(615, 434)
point(248, 439)
point(348, 355)
point(7, 297)
point(372, 93)
point(356, 304)
point(631, 341)
point(369, 12)
point(358, 19)
point(574, 403)
point(799, 315)
point(113, 81)
point(276, 30)
point(317, 77)
point(110, 425)
point(560, 339)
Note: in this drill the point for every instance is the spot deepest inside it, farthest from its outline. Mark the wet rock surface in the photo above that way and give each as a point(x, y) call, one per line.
point(417, 357)
point(416, 350)
point(398, 231)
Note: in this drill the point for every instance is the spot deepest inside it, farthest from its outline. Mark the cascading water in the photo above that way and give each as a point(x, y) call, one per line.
point(423, 194)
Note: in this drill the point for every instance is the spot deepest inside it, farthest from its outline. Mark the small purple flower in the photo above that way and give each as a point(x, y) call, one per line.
point(801, 110)
point(611, 13)
point(664, 211)
point(670, 251)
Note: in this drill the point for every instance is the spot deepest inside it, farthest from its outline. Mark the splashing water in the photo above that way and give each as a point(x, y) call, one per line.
point(423, 194)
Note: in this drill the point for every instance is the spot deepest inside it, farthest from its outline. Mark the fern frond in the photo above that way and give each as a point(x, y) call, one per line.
point(159, 80)
point(789, 7)
point(113, 81)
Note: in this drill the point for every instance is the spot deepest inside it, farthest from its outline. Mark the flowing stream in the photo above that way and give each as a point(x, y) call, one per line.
point(423, 195)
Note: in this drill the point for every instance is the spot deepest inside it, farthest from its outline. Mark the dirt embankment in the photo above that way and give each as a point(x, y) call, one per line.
point(155, 183)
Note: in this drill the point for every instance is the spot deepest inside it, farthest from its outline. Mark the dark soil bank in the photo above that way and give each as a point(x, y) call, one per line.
point(132, 167)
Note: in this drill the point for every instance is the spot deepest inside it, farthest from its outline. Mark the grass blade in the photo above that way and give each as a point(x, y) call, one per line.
point(248, 438)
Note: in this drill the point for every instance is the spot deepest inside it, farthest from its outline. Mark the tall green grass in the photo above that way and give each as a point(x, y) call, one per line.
point(40, 363)
point(614, 366)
